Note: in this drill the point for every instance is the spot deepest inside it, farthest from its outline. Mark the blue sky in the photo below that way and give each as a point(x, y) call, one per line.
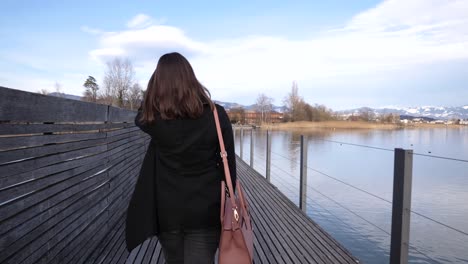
point(343, 54)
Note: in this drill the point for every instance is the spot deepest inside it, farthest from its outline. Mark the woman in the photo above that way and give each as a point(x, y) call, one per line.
point(177, 195)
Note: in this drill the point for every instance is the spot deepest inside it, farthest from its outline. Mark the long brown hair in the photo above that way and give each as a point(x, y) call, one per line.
point(174, 91)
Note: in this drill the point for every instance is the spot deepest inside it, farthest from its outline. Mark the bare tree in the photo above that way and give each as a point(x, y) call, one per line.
point(90, 94)
point(264, 105)
point(366, 114)
point(117, 81)
point(135, 96)
point(295, 105)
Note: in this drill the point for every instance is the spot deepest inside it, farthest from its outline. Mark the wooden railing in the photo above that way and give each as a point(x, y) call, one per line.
point(67, 171)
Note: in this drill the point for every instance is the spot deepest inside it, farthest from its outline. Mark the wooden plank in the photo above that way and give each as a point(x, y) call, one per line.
point(151, 248)
point(18, 238)
point(157, 254)
point(121, 115)
point(326, 243)
point(10, 143)
point(120, 131)
point(142, 251)
point(26, 178)
point(276, 223)
point(28, 128)
point(98, 253)
point(31, 107)
point(133, 255)
point(120, 251)
point(58, 235)
point(270, 227)
point(18, 213)
point(15, 221)
point(119, 207)
point(83, 236)
point(66, 240)
point(296, 232)
point(30, 165)
point(49, 227)
point(117, 250)
point(18, 155)
point(114, 247)
point(117, 214)
point(87, 236)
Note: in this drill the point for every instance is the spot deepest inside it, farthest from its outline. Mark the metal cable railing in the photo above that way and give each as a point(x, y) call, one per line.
point(376, 196)
point(293, 189)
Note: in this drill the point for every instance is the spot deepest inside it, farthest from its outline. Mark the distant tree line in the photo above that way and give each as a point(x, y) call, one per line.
point(295, 109)
point(299, 110)
point(119, 86)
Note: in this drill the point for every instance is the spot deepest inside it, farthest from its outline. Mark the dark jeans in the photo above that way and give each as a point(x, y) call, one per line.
point(190, 246)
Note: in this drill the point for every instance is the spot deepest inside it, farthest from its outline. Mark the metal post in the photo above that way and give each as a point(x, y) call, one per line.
point(234, 129)
point(401, 211)
point(268, 156)
point(303, 175)
point(252, 145)
point(241, 142)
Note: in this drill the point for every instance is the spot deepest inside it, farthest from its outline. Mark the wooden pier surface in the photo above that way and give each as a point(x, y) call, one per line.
point(283, 233)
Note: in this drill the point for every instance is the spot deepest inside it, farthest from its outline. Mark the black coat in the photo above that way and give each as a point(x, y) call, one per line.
point(179, 182)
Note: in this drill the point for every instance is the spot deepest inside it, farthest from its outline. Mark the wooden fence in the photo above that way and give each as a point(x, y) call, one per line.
point(67, 171)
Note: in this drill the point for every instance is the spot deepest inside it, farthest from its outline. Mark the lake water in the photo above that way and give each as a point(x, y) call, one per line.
point(358, 220)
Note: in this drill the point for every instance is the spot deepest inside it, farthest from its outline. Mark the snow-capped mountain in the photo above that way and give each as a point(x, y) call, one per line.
point(436, 112)
point(228, 106)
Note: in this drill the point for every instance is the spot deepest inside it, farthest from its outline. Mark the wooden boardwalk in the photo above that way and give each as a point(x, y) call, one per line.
point(283, 233)
point(67, 172)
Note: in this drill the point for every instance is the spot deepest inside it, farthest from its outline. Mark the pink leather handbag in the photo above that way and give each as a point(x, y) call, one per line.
point(236, 242)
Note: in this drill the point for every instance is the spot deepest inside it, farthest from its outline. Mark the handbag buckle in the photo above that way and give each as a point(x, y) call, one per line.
point(236, 215)
point(223, 154)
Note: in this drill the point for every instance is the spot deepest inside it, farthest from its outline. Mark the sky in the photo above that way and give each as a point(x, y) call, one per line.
point(343, 54)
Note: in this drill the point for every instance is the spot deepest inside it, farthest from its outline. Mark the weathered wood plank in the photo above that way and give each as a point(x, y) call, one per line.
point(19, 155)
point(24, 106)
point(322, 242)
point(28, 128)
point(15, 221)
point(30, 165)
point(115, 205)
point(158, 255)
point(120, 206)
point(10, 143)
point(98, 253)
point(149, 253)
point(58, 235)
point(21, 216)
point(121, 115)
point(65, 186)
point(277, 226)
point(142, 251)
point(65, 239)
point(63, 166)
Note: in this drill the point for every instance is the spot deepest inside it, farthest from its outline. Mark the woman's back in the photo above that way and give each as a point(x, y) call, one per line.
point(178, 192)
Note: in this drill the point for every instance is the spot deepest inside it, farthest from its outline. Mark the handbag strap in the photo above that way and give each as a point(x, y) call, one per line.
point(223, 153)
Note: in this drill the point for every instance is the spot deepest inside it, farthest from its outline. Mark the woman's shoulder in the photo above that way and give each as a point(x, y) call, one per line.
point(220, 108)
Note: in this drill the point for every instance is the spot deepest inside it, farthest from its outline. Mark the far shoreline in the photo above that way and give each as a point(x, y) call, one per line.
point(333, 125)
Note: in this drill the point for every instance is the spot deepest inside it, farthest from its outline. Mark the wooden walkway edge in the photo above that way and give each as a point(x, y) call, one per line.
point(283, 233)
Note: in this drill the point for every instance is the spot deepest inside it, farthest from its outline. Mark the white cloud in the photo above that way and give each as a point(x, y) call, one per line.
point(392, 36)
point(140, 20)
